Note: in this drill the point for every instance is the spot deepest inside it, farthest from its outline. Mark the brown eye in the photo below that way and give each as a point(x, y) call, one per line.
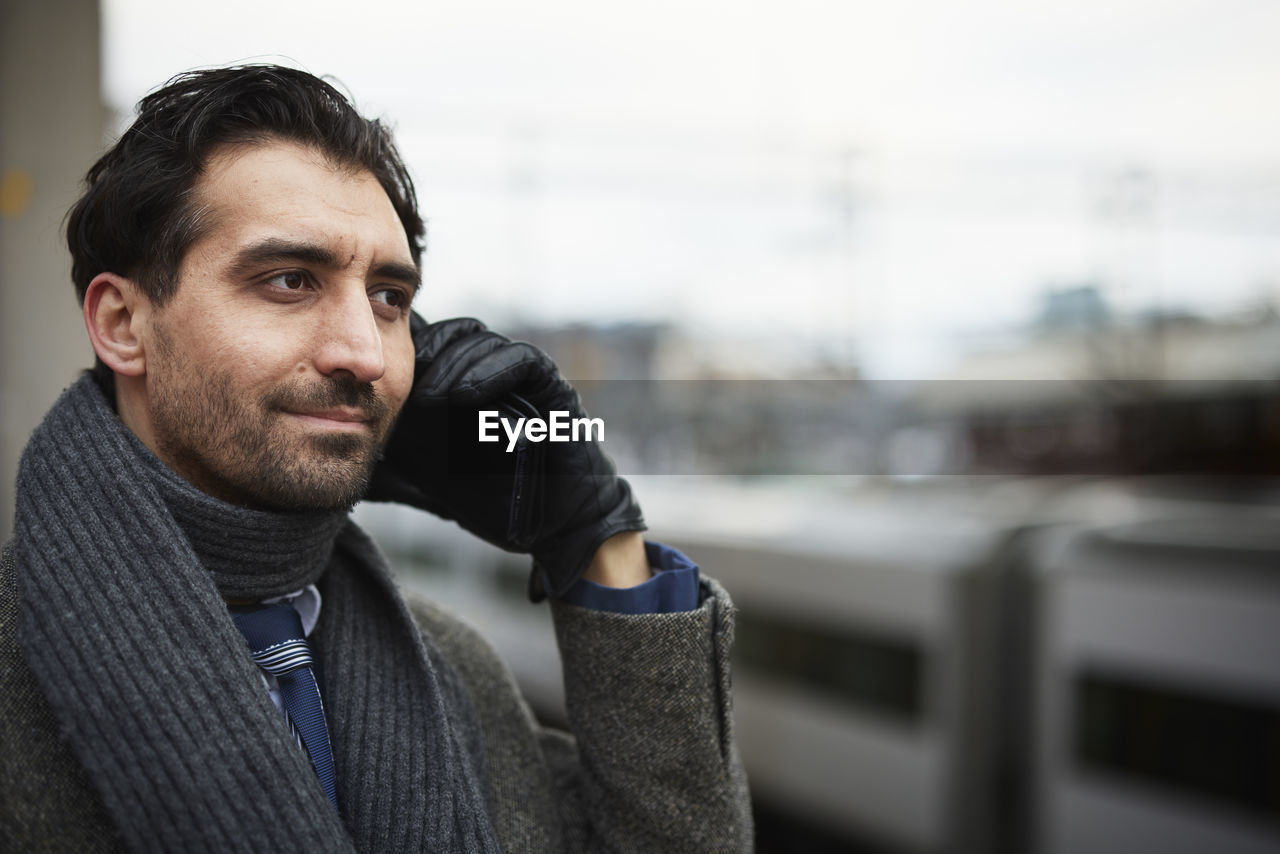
point(393, 297)
point(292, 281)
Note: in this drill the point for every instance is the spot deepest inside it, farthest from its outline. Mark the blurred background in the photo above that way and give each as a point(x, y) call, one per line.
point(945, 335)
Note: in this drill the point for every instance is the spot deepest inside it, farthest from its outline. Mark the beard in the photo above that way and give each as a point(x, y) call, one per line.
point(245, 450)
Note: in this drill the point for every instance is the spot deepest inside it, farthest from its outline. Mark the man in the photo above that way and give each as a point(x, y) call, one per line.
point(246, 255)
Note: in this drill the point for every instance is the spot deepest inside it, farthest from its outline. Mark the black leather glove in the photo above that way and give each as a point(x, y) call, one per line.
point(557, 501)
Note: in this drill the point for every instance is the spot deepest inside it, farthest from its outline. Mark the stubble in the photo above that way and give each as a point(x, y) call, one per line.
point(243, 449)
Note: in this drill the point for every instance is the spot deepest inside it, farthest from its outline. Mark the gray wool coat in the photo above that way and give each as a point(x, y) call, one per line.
point(651, 764)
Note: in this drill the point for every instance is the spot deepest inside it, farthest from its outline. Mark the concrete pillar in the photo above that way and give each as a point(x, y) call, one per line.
point(52, 122)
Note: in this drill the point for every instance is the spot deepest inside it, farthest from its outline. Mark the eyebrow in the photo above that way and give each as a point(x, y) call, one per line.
point(278, 250)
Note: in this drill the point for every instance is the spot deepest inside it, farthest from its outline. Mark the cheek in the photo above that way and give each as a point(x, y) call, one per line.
point(252, 361)
point(398, 378)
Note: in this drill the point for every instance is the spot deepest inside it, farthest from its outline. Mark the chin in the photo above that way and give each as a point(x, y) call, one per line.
point(304, 484)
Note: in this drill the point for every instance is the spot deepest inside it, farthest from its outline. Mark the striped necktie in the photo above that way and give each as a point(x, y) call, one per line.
point(279, 647)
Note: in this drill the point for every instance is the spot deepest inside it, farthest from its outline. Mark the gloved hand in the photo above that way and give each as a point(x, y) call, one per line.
point(558, 501)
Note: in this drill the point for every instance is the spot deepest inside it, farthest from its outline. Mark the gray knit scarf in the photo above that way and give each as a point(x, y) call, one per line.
point(123, 570)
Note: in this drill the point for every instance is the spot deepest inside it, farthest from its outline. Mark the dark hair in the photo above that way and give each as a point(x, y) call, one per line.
point(138, 215)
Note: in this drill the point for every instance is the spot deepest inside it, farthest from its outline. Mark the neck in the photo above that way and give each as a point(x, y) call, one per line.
point(252, 554)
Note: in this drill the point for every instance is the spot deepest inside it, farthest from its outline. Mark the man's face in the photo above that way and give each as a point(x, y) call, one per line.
point(277, 369)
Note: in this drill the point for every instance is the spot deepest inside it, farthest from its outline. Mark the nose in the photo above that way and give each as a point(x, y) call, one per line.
point(348, 336)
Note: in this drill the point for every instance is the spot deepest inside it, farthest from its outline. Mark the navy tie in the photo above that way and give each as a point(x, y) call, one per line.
point(279, 647)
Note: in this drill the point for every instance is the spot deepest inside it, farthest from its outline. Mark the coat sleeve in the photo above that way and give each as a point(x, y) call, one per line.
point(650, 763)
point(649, 702)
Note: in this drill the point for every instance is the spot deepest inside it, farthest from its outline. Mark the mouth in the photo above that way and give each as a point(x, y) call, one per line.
point(338, 418)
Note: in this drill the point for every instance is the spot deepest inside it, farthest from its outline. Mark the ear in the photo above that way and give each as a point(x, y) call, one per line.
point(115, 313)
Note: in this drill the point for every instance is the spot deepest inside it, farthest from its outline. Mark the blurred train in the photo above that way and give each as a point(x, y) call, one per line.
point(963, 664)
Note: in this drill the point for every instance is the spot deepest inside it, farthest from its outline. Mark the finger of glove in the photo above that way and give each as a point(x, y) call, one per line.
point(450, 374)
point(516, 367)
point(431, 339)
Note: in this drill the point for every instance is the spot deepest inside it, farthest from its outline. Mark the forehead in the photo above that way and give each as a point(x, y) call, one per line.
point(283, 189)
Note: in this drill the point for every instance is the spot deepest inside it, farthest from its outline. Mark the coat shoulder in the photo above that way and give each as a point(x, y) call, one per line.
point(521, 770)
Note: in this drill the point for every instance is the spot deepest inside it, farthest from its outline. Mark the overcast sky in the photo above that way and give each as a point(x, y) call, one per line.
point(878, 174)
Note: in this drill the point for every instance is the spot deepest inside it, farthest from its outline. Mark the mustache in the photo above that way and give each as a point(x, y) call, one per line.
point(340, 390)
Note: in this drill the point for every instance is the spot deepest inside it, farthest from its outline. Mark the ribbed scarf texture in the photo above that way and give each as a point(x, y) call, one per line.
point(123, 570)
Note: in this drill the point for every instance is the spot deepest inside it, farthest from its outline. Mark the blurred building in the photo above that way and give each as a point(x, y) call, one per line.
point(1080, 390)
point(1084, 391)
point(52, 122)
